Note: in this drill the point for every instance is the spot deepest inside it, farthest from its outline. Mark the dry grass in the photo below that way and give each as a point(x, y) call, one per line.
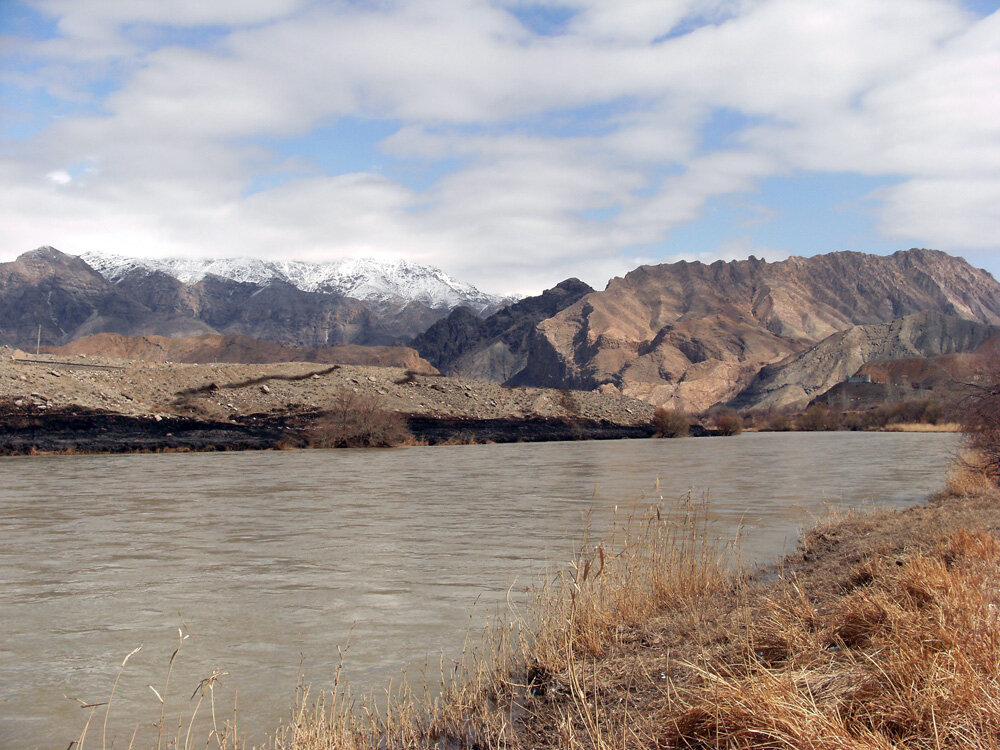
point(924, 427)
point(969, 476)
point(910, 658)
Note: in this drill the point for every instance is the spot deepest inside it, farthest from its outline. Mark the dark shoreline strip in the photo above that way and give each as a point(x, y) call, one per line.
point(97, 432)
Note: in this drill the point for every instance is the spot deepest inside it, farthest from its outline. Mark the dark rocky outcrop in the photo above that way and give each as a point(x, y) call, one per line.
point(494, 348)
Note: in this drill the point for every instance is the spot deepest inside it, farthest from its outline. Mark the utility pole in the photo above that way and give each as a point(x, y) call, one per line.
point(38, 344)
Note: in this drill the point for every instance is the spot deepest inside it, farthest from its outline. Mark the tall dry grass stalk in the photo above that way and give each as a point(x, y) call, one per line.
point(224, 737)
point(665, 559)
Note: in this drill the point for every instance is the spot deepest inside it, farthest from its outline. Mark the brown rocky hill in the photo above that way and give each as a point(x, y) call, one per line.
point(692, 335)
point(494, 348)
point(237, 349)
point(798, 379)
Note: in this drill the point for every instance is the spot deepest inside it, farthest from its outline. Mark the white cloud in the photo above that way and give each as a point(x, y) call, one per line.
point(909, 89)
point(60, 177)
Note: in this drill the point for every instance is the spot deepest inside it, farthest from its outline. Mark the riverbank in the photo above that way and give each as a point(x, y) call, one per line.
point(880, 631)
point(90, 404)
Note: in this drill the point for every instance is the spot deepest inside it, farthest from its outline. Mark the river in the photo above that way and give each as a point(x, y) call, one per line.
point(270, 561)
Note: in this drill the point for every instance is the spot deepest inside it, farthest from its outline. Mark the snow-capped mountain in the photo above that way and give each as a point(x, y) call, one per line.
point(369, 280)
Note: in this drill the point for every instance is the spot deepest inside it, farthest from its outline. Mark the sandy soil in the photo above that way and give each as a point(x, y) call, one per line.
point(223, 392)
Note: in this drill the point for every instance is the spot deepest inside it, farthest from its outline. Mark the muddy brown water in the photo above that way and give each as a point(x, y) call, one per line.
point(273, 560)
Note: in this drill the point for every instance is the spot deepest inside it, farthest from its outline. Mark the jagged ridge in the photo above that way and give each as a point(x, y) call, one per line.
point(364, 279)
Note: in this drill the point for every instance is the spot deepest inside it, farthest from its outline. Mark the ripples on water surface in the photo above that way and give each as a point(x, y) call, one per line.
point(275, 557)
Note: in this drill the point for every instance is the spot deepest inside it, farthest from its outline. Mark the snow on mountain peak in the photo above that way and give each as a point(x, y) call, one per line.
point(364, 278)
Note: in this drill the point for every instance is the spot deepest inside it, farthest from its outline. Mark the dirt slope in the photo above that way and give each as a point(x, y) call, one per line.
point(226, 391)
point(236, 349)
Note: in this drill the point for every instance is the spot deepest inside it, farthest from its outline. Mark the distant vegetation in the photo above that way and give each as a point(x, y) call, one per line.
point(727, 422)
point(671, 423)
point(820, 417)
point(358, 420)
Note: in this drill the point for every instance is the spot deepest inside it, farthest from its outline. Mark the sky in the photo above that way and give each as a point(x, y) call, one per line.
point(511, 143)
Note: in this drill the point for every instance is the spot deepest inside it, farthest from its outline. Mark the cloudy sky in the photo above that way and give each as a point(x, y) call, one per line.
point(511, 143)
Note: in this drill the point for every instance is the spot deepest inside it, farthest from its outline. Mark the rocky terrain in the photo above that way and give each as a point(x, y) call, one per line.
point(62, 298)
point(237, 349)
point(686, 335)
point(796, 380)
point(252, 405)
point(494, 348)
point(692, 335)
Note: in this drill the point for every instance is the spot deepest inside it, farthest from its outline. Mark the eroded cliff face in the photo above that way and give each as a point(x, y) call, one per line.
point(692, 335)
point(796, 380)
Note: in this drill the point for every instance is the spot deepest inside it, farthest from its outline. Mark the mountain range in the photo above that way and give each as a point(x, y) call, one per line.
point(693, 335)
point(61, 298)
point(379, 283)
point(689, 335)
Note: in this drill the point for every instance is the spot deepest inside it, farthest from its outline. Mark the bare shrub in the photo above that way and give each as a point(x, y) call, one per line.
point(671, 423)
point(358, 420)
point(778, 422)
point(728, 422)
point(981, 415)
point(816, 417)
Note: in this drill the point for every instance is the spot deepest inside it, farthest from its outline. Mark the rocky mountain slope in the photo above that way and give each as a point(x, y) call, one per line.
point(236, 349)
point(692, 335)
point(796, 380)
point(61, 297)
point(68, 299)
point(494, 348)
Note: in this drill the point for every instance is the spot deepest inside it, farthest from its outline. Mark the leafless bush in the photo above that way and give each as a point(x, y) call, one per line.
point(727, 422)
point(670, 423)
point(981, 415)
point(816, 417)
point(358, 420)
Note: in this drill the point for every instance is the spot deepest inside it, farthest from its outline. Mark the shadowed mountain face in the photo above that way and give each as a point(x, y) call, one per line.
point(494, 348)
point(692, 335)
point(57, 296)
point(796, 380)
point(68, 299)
